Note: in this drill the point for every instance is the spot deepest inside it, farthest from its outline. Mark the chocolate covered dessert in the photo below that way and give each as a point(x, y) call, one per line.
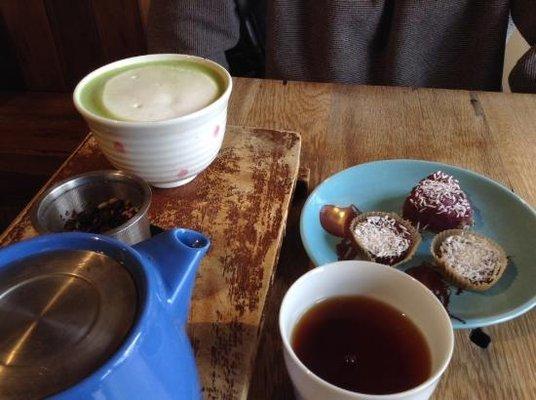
point(469, 260)
point(438, 203)
point(384, 237)
point(336, 220)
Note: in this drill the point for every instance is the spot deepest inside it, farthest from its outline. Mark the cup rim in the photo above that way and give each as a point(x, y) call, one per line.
point(217, 68)
point(359, 264)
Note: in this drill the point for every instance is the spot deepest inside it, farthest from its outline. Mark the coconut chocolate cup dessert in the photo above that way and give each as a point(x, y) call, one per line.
point(438, 203)
point(384, 237)
point(469, 260)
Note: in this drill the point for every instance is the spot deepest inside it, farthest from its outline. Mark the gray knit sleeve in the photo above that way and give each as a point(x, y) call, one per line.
point(523, 75)
point(206, 28)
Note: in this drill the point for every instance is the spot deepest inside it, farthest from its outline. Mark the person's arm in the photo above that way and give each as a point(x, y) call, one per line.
point(205, 28)
point(523, 76)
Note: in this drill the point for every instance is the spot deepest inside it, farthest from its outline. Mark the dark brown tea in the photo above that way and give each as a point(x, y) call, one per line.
point(362, 344)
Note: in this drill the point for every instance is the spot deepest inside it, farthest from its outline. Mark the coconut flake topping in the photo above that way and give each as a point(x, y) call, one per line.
point(471, 257)
point(442, 192)
point(383, 236)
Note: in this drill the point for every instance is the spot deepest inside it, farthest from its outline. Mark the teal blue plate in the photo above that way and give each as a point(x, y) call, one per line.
point(499, 214)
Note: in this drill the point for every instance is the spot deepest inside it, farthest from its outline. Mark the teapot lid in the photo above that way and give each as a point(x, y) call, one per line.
point(63, 314)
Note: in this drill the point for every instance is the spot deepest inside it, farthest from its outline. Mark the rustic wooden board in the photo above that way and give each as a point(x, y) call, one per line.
point(241, 202)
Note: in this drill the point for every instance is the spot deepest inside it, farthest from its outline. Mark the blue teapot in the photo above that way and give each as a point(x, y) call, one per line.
point(84, 316)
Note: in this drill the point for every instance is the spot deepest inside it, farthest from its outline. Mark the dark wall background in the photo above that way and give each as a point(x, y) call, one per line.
point(49, 45)
point(46, 46)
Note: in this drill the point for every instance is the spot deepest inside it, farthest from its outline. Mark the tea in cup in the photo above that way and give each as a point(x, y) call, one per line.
point(360, 330)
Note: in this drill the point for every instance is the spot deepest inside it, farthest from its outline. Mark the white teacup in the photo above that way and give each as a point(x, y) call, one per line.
point(378, 281)
point(165, 153)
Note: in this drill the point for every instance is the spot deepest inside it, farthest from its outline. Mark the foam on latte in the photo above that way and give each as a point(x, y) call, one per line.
point(152, 91)
point(159, 92)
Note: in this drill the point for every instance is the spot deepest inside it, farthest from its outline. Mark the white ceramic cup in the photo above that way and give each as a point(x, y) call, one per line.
point(165, 153)
point(378, 281)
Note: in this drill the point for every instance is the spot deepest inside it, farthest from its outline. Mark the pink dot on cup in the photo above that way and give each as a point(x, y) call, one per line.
point(182, 173)
point(120, 147)
point(216, 131)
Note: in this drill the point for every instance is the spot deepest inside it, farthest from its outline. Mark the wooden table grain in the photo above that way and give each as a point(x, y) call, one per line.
point(491, 133)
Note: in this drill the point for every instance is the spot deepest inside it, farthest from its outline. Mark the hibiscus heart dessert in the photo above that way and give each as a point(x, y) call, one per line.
point(384, 237)
point(469, 260)
point(438, 203)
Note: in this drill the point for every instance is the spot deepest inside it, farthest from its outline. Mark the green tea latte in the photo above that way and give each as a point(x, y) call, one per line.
point(152, 91)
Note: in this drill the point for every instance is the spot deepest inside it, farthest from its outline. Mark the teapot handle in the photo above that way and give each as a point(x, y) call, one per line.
point(175, 255)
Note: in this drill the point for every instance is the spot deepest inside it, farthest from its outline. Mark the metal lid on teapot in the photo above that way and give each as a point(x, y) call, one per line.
point(62, 315)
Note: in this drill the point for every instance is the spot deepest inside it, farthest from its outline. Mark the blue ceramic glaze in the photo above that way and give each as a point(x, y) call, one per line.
point(156, 360)
point(499, 214)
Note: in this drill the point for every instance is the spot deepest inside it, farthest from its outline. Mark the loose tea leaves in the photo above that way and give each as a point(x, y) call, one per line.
point(106, 216)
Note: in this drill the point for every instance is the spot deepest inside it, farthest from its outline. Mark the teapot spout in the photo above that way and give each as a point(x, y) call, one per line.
point(176, 255)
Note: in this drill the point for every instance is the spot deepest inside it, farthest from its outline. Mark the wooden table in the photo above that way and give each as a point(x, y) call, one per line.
point(491, 133)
